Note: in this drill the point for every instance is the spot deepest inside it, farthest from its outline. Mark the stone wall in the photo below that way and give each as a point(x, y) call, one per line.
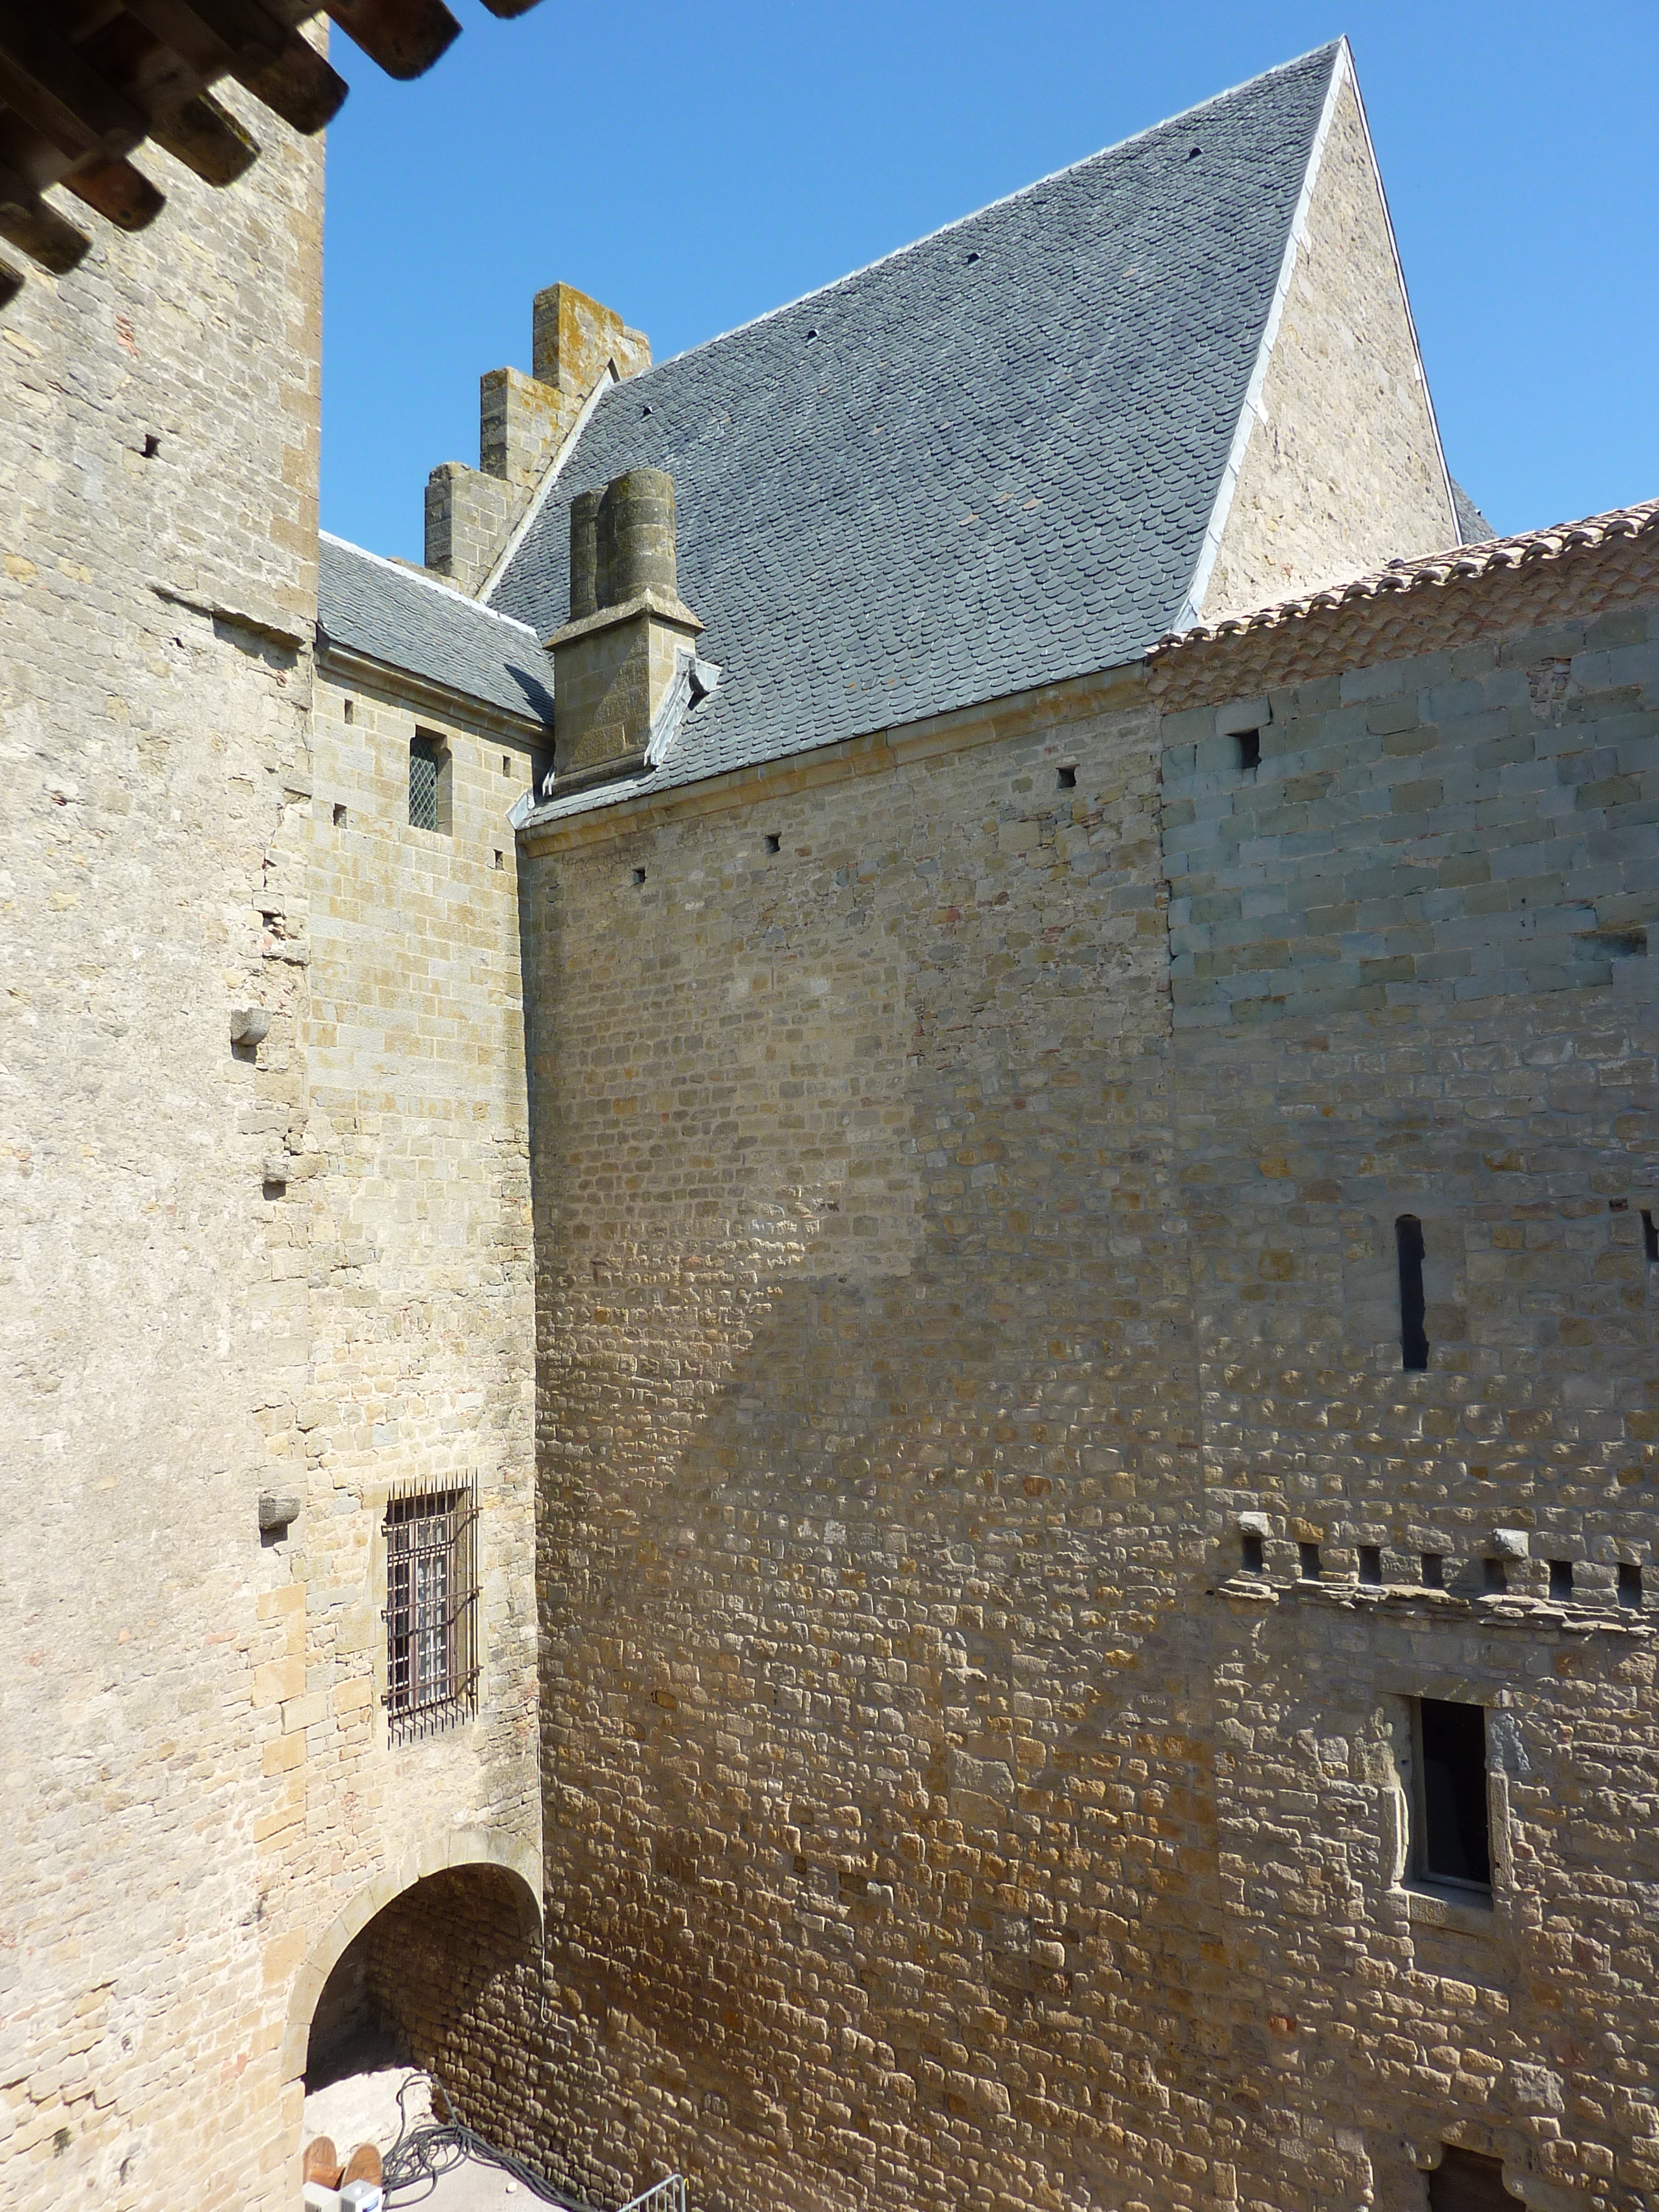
point(225, 1278)
point(1410, 978)
point(880, 1849)
point(1343, 470)
point(938, 1259)
point(158, 609)
point(421, 1309)
point(451, 1967)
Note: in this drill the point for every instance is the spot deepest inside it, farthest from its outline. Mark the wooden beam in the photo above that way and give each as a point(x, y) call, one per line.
point(405, 37)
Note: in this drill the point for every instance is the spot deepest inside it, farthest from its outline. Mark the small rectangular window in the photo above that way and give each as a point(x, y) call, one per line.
point(431, 1611)
point(1253, 1556)
point(1493, 1576)
point(1249, 743)
point(1452, 1832)
point(1408, 1246)
point(1371, 1564)
point(429, 782)
point(1561, 1580)
point(1629, 1583)
point(1465, 2181)
point(1434, 1569)
point(1649, 1237)
point(1307, 1561)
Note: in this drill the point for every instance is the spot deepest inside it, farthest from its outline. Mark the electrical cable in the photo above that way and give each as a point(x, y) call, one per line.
point(425, 2149)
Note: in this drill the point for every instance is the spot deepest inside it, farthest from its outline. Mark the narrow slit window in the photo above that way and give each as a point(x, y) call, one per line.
point(1561, 1580)
point(431, 1611)
point(1413, 1339)
point(1650, 1238)
point(1307, 1561)
point(1451, 1821)
point(429, 782)
point(1371, 1566)
point(1629, 1583)
point(1253, 1553)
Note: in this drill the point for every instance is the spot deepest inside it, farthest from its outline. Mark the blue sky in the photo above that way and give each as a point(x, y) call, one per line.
point(693, 165)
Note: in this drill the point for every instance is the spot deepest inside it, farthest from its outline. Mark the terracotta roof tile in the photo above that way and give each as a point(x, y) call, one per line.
point(1413, 607)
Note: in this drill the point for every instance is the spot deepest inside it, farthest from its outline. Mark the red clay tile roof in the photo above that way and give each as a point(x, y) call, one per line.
point(1413, 607)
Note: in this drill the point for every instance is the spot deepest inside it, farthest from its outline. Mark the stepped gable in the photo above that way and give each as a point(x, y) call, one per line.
point(385, 613)
point(985, 463)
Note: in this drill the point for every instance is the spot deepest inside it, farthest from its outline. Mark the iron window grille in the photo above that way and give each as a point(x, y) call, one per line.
point(431, 1610)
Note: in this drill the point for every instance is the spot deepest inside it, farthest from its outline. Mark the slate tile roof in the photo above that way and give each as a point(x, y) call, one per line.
point(1473, 526)
point(985, 463)
point(396, 615)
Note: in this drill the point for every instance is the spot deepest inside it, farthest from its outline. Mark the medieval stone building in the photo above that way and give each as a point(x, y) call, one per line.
point(831, 1287)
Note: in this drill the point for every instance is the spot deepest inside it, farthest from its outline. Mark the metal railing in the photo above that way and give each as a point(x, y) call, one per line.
point(662, 2196)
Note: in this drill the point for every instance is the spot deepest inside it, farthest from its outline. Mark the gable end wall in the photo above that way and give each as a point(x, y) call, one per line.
point(1343, 470)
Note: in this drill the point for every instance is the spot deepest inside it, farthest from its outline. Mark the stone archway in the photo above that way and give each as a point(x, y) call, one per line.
point(448, 1938)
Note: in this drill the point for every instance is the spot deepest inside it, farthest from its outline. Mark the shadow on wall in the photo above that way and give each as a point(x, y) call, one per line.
point(432, 1981)
point(851, 1639)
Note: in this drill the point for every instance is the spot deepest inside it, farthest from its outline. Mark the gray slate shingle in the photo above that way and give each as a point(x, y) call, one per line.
point(408, 621)
point(992, 466)
point(1473, 528)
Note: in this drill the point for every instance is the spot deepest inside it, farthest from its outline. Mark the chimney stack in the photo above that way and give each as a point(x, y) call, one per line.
point(616, 661)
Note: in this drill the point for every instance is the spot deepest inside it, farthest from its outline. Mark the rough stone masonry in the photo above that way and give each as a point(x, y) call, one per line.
point(966, 1165)
point(1036, 1242)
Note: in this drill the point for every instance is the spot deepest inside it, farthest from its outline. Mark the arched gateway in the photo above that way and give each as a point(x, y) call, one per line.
point(439, 1942)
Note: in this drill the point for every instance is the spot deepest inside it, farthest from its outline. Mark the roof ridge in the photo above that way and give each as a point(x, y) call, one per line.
point(408, 574)
point(958, 222)
point(1452, 564)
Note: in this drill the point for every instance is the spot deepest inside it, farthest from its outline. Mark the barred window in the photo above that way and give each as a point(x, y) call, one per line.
point(431, 1611)
point(429, 782)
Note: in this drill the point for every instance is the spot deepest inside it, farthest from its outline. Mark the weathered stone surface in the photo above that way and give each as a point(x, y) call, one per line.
point(293, 1267)
point(523, 422)
point(1342, 471)
point(933, 1809)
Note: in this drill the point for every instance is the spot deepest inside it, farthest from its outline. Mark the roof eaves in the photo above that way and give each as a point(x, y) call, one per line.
point(417, 577)
point(447, 699)
point(1410, 607)
point(1455, 563)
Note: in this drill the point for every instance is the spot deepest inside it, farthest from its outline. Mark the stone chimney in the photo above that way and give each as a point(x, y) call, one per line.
point(616, 661)
point(523, 421)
